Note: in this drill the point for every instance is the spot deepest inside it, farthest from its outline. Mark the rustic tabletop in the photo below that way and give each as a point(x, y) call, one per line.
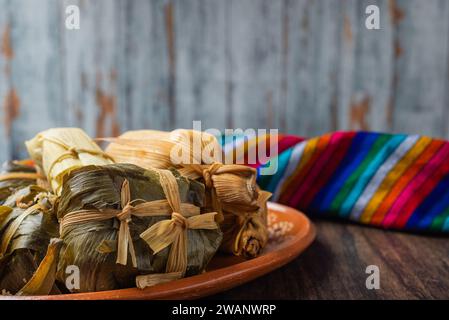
point(334, 267)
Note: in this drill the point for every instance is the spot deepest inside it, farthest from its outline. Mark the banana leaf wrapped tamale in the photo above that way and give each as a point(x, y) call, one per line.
point(27, 254)
point(15, 175)
point(231, 189)
point(57, 151)
point(123, 225)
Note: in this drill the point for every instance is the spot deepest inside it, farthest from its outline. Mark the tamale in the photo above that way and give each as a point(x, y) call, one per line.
point(231, 189)
point(58, 151)
point(27, 224)
point(107, 219)
point(15, 175)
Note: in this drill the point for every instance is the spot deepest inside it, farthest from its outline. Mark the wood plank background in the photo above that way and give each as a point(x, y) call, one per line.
point(303, 66)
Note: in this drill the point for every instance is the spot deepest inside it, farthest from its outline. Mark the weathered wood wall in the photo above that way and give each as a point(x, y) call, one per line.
point(303, 66)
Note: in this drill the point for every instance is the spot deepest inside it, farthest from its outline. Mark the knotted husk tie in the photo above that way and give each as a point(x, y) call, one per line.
point(161, 234)
point(230, 185)
point(72, 152)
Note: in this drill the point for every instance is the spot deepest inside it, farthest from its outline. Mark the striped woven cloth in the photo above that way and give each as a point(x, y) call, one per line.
point(391, 181)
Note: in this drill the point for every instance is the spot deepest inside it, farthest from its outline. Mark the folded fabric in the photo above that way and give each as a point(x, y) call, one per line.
point(392, 181)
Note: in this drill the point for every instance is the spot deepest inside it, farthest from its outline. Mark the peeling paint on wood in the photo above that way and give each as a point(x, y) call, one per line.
point(11, 109)
point(6, 48)
point(347, 29)
point(170, 34)
point(360, 107)
point(396, 13)
point(107, 104)
point(397, 49)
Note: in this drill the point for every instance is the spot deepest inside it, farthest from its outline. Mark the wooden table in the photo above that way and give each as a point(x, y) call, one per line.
point(411, 267)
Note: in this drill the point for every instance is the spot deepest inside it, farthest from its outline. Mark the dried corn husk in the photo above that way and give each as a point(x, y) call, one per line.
point(112, 232)
point(27, 256)
point(232, 189)
point(60, 150)
point(245, 232)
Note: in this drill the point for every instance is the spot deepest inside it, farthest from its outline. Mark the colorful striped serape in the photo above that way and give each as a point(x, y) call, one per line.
point(392, 181)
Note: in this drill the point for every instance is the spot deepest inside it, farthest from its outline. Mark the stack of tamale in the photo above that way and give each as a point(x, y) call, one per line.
point(231, 189)
point(133, 215)
point(122, 224)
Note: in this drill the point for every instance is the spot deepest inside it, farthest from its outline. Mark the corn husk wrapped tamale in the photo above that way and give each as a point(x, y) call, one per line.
point(57, 151)
point(15, 175)
point(231, 189)
point(27, 255)
point(123, 225)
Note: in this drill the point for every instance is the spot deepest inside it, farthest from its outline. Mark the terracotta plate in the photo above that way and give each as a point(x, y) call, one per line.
point(290, 233)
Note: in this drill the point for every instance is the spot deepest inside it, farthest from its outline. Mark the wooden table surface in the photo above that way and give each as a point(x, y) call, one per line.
point(333, 267)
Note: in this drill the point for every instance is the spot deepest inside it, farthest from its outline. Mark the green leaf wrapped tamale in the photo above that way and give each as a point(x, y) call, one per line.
point(230, 189)
point(120, 221)
point(27, 223)
point(15, 175)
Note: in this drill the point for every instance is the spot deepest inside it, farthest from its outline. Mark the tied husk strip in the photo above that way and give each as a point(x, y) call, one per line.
point(174, 231)
point(20, 175)
point(58, 151)
point(73, 152)
point(145, 209)
point(42, 281)
point(158, 236)
point(229, 183)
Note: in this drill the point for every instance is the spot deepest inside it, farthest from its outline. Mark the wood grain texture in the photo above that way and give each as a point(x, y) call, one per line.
point(411, 267)
point(92, 56)
point(200, 63)
point(34, 64)
point(304, 66)
point(8, 110)
point(256, 41)
point(421, 98)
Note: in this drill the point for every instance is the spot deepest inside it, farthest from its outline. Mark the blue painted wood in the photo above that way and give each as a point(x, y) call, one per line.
point(303, 66)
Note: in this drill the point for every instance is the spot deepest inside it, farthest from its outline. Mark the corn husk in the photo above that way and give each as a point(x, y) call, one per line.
point(93, 245)
point(231, 189)
point(27, 256)
point(58, 151)
point(245, 232)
